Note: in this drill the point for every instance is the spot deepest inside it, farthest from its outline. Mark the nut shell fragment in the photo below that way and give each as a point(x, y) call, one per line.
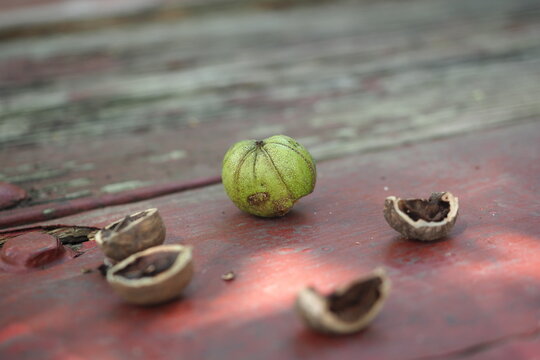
point(348, 309)
point(228, 276)
point(419, 219)
point(153, 276)
point(131, 234)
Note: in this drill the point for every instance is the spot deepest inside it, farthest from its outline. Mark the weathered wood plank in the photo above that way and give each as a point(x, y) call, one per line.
point(44, 17)
point(89, 113)
point(478, 287)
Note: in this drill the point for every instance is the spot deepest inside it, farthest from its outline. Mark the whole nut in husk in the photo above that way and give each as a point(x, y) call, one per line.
point(266, 177)
point(153, 276)
point(131, 234)
point(420, 219)
point(348, 309)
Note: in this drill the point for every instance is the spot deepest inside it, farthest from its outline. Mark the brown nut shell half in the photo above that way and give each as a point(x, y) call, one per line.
point(131, 234)
point(425, 220)
point(153, 276)
point(348, 309)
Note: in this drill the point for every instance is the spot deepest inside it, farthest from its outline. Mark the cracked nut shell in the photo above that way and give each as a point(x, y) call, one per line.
point(153, 276)
point(131, 234)
point(266, 177)
point(420, 219)
point(348, 309)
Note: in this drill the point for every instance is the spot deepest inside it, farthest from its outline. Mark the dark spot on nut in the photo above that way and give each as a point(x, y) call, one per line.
point(258, 199)
point(281, 207)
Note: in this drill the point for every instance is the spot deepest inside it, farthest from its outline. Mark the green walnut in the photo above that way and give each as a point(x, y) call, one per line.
point(266, 177)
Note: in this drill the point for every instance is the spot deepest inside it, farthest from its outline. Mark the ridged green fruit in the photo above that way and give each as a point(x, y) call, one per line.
point(266, 177)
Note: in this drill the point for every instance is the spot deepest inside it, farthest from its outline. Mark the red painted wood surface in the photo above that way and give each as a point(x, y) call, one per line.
point(476, 293)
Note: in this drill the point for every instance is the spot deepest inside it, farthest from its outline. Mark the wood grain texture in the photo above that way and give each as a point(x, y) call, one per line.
point(127, 105)
point(475, 293)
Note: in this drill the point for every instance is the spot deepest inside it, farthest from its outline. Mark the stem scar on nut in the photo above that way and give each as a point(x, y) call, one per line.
point(348, 309)
point(422, 219)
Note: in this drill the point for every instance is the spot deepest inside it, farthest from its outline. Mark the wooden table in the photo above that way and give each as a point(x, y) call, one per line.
point(108, 110)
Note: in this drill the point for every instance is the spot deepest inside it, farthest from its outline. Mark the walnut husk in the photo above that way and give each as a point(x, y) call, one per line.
point(141, 280)
point(131, 234)
point(349, 309)
point(419, 219)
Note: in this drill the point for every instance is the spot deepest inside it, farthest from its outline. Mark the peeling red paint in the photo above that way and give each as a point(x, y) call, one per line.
point(10, 195)
point(31, 251)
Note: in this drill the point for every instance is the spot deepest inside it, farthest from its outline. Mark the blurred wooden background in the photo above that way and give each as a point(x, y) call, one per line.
point(104, 96)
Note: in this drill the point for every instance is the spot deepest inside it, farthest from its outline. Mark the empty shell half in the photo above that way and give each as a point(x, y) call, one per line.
point(348, 309)
point(421, 219)
point(153, 276)
point(131, 234)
